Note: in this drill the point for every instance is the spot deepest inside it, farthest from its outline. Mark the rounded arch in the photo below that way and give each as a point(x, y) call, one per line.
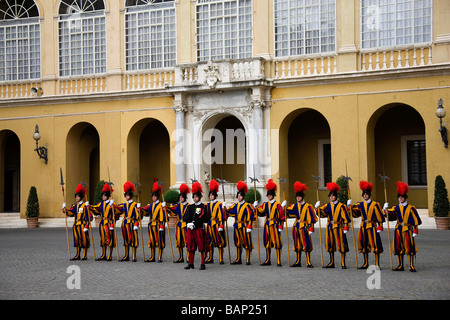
point(224, 147)
point(396, 146)
point(10, 162)
point(82, 157)
point(10, 10)
point(148, 155)
point(304, 149)
point(80, 6)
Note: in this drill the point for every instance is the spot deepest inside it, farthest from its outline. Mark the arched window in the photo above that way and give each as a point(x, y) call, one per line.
point(20, 40)
point(224, 29)
point(82, 37)
point(150, 34)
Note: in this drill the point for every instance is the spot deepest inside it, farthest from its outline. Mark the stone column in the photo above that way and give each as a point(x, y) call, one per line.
point(180, 150)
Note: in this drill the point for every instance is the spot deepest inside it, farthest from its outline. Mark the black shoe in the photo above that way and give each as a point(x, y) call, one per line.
point(75, 258)
point(265, 263)
point(202, 267)
point(150, 260)
point(279, 265)
point(296, 265)
point(189, 266)
point(237, 262)
point(363, 267)
point(179, 260)
point(309, 266)
point(101, 258)
point(248, 263)
point(209, 261)
point(399, 269)
point(344, 267)
point(125, 259)
point(221, 262)
point(329, 266)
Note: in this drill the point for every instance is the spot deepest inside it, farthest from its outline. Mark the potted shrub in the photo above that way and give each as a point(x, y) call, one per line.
point(250, 198)
point(441, 205)
point(98, 199)
point(171, 197)
point(343, 193)
point(32, 211)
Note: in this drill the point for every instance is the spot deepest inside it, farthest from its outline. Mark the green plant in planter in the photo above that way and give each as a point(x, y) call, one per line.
point(343, 193)
point(98, 192)
point(250, 196)
point(441, 205)
point(171, 196)
point(32, 204)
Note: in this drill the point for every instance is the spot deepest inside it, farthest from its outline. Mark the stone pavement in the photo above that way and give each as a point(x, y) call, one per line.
point(34, 264)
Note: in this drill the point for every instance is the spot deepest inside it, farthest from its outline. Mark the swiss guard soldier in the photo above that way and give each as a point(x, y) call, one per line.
point(178, 210)
point(303, 227)
point(244, 216)
point(107, 224)
point(273, 225)
point(196, 236)
point(406, 229)
point(372, 219)
point(82, 216)
point(337, 225)
point(157, 220)
point(130, 222)
point(215, 225)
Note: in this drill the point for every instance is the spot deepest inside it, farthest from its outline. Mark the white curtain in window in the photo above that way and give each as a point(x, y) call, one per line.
point(390, 23)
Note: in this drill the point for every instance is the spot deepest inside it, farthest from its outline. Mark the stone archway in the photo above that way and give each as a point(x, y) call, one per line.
point(148, 156)
point(397, 146)
point(9, 172)
point(82, 158)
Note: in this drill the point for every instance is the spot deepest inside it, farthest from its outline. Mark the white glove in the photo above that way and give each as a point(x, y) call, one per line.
point(85, 230)
point(284, 204)
point(317, 204)
point(255, 204)
point(161, 229)
point(163, 204)
point(349, 202)
point(249, 230)
point(111, 228)
point(220, 229)
point(86, 203)
point(190, 225)
point(224, 204)
point(345, 231)
point(138, 205)
point(135, 228)
point(64, 205)
point(386, 205)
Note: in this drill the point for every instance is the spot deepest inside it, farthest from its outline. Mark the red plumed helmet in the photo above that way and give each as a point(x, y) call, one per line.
point(300, 187)
point(156, 188)
point(365, 186)
point(128, 187)
point(333, 187)
point(213, 186)
point(107, 188)
point(402, 188)
point(184, 189)
point(271, 186)
point(197, 188)
point(80, 189)
point(242, 187)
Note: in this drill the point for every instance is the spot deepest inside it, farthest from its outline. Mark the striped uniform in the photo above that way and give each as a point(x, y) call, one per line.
point(407, 222)
point(335, 239)
point(108, 221)
point(371, 216)
point(274, 214)
point(217, 238)
point(131, 219)
point(244, 216)
point(82, 216)
point(178, 210)
point(305, 218)
point(156, 228)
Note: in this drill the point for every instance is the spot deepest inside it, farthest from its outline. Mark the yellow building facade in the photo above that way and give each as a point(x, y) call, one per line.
point(233, 89)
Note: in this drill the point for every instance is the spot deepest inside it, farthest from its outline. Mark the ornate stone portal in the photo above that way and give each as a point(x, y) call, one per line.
point(206, 95)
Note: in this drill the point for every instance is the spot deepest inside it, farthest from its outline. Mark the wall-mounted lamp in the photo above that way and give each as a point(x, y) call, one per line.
point(36, 92)
point(41, 151)
point(440, 113)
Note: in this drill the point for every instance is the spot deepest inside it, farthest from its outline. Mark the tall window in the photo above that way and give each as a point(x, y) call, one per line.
point(82, 37)
point(304, 27)
point(224, 29)
point(388, 23)
point(150, 34)
point(20, 40)
point(414, 161)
